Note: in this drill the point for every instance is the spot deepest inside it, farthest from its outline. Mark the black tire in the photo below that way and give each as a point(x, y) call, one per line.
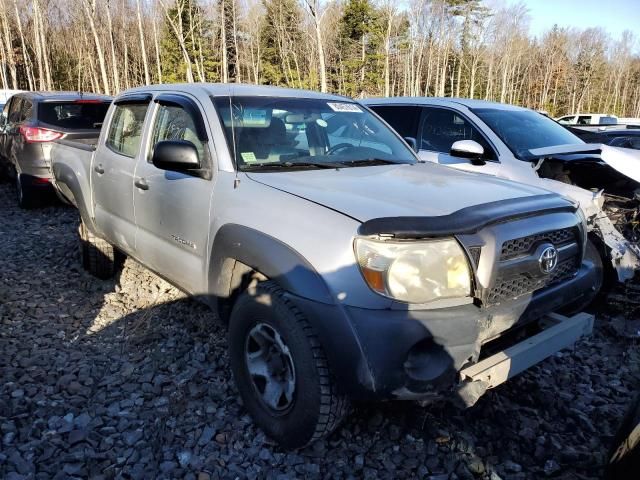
point(98, 256)
point(24, 194)
point(316, 408)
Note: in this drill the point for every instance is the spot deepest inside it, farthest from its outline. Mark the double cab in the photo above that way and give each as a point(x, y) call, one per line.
point(345, 268)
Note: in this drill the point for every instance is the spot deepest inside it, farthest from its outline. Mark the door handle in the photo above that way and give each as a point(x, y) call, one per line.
point(99, 169)
point(141, 183)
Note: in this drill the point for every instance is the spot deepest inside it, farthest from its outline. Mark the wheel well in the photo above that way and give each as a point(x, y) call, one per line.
point(242, 277)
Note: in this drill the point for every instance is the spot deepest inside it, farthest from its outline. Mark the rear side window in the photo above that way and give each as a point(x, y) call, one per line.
point(14, 110)
point(403, 119)
point(175, 123)
point(125, 131)
point(584, 120)
point(26, 110)
point(73, 115)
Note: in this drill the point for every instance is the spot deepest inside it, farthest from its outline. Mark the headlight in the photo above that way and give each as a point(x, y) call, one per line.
point(414, 271)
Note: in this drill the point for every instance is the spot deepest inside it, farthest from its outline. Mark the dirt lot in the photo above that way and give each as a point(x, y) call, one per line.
point(129, 379)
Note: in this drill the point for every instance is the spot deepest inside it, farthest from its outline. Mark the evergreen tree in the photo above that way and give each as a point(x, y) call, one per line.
point(360, 39)
point(189, 19)
point(281, 37)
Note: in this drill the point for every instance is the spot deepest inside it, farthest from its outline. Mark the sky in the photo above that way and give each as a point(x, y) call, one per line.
point(614, 16)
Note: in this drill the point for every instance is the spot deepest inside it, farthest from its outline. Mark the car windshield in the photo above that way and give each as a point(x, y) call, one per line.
point(524, 130)
point(270, 133)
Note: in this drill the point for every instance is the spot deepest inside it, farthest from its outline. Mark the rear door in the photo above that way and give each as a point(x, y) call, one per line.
point(113, 168)
point(172, 208)
point(440, 128)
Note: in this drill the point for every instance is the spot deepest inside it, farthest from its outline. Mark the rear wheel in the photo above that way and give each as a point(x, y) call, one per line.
point(98, 256)
point(281, 369)
point(24, 194)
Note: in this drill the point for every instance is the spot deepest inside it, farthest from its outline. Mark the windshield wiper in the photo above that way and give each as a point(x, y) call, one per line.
point(289, 165)
point(369, 161)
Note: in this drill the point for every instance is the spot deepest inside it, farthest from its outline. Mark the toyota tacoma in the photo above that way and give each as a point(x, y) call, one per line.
point(345, 268)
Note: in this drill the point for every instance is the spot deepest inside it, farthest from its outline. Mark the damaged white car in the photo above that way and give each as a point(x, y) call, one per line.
point(523, 145)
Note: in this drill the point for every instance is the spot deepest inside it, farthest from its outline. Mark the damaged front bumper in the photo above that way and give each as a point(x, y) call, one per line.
point(561, 332)
point(624, 255)
point(395, 354)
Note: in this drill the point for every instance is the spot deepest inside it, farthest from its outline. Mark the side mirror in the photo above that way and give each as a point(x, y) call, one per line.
point(176, 155)
point(469, 149)
point(412, 143)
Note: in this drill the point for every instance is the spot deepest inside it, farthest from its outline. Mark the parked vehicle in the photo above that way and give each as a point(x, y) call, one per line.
point(623, 138)
point(29, 125)
point(588, 119)
point(520, 144)
point(344, 267)
point(629, 121)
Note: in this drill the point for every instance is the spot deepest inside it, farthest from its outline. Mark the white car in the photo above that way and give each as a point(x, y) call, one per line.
point(523, 145)
point(588, 119)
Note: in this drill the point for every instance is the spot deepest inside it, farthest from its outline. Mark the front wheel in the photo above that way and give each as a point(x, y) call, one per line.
point(281, 369)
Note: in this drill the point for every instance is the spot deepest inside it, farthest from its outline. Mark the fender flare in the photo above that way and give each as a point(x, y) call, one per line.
point(68, 186)
point(265, 254)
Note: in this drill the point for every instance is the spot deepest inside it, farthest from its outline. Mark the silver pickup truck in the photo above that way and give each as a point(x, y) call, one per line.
point(345, 268)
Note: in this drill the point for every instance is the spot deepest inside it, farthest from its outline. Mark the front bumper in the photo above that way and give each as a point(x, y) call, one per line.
point(418, 354)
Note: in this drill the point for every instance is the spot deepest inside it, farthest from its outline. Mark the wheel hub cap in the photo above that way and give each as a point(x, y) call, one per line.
point(270, 366)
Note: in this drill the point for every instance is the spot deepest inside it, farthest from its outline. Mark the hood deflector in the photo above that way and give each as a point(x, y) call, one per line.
point(467, 220)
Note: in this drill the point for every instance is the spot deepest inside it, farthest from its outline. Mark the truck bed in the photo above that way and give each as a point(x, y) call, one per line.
point(71, 163)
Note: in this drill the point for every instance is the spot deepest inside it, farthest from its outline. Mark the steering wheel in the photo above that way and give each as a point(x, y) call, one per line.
point(337, 147)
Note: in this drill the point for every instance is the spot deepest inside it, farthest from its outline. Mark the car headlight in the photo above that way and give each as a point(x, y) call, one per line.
point(414, 271)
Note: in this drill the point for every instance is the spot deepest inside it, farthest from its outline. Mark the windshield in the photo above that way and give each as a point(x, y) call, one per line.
point(523, 130)
point(275, 133)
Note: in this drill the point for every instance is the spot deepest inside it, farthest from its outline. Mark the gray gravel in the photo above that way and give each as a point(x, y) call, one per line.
point(130, 379)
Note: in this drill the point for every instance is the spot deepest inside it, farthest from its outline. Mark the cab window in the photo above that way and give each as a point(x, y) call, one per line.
point(441, 128)
point(125, 131)
point(174, 123)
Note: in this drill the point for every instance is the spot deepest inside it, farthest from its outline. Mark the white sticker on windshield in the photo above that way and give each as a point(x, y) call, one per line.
point(322, 123)
point(248, 157)
point(344, 107)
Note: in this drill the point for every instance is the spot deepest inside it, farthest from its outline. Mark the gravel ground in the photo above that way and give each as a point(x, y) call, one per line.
point(130, 379)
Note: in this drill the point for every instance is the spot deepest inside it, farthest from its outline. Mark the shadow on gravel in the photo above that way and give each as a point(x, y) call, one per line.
point(129, 379)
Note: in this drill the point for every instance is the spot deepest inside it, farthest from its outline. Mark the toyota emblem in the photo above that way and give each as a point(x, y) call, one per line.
point(548, 260)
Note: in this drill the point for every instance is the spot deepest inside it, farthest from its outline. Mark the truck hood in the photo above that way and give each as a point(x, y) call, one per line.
point(625, 160)
point(364, 193)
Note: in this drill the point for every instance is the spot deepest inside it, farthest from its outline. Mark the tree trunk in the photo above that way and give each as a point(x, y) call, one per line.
point(90, 10)
point(114, 61)
point(143, 47)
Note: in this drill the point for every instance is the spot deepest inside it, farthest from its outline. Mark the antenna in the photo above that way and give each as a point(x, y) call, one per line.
point(236, 180)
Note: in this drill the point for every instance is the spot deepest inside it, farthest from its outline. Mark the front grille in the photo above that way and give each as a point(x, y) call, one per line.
point(520, 247)
point(513, 285)
point(522, 284)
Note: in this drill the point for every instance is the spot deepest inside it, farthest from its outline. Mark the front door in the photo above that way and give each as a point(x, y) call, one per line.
point(172, 208)
point(440, 128)
point(112, 174)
